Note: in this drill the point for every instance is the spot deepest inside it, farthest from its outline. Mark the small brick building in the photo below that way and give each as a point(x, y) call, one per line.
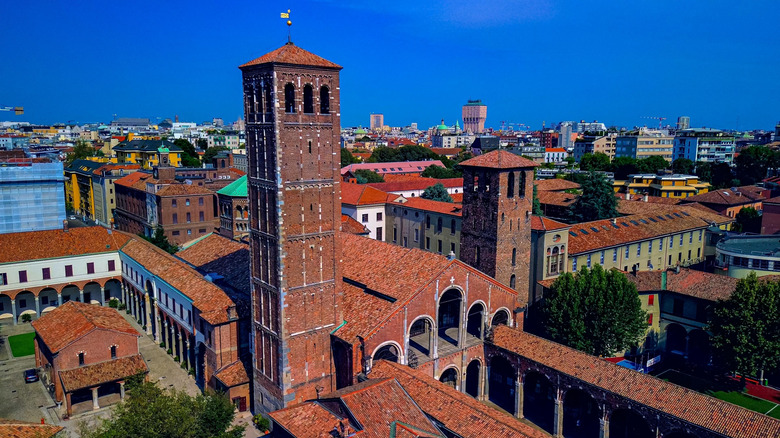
point(86, 352)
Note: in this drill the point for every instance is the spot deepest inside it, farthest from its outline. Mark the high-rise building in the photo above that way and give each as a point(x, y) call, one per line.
point(377, 121)
point(474, 115)
point(704, 144)
point(683, 122)
point(32, 197)
point(291, 101)
point(565, 135)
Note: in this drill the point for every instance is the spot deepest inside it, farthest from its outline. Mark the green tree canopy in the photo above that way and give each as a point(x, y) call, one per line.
point(151, 412)
point(651, 164)
point(212, 152)
point(595, 162)
point(437, 192)
point(189, 157)
point(682, 166)
point(82, 149)
point(704, 171)
point(203, 144)
point(413, 152)
point(347, 158)
point(441, 172)
point(595, 311)
point(160, 240)
point(537, 206)
point(597, 200)
point(722, 176)
point(747, 220)
point(752, 163)
point(365, 176)
point(622, 167)
point(746, 327)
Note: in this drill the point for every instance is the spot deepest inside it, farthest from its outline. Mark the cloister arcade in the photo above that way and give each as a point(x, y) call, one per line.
point(37, 301)
point(692, 344)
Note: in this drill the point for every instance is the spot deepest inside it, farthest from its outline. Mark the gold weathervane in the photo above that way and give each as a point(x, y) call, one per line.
point(289, 23)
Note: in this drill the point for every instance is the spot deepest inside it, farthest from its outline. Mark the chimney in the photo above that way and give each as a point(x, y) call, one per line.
point(451, 255)
point(628, 196)
point(614, 221)
point(677, 269)
point(645, 198)
point(65, 225)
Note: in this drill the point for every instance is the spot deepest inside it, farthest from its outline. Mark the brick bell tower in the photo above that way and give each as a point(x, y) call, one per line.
point(291, 107)
point(497, 205)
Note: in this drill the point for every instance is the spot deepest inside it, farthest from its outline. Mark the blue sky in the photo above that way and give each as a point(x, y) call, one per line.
point(415, 61)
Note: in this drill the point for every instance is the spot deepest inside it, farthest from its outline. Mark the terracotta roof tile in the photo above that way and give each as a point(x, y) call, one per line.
point(36, 245)
point(416, 203)
point(306, 420)
point(560, 199)
point(499, 159)
point(233, 374)
point(72, 320)
point(292, 54)
point(132, 179)
point(650, 199)
point(455, 410)
point(541, 223)
point(181, 188)
point(218, 254)
point(397, 167)
point(743, 195)
point(555, 185)
point(103, 372)
point(352, 226)
point(704, 411)
point(361, 194)
point(417, 184)
point(690, 282)
point(22, 429)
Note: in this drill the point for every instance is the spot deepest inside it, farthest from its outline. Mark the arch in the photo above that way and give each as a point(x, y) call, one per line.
point(389, 350)
point(69, 293)
point(308, 99)
point(539, 400)
point(675, 339)
point(5, 307)
point(92, 293)
point(324, 100)
point(25, 304)
point(581, 415)
point(449, 377)
point(699, 347)
point(474, 320)
point(500, 317)
point(472, 378)
point(627, 423)
point(512, 281)
point(421, 335)
point(112, 290)
point(501, 383)
point(449, 313)
point(289, 98)
point(48, 300)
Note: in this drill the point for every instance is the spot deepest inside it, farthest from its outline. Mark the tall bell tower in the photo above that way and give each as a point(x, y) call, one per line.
point(291, 107)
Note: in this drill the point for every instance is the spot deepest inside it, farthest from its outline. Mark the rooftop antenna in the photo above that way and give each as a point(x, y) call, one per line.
point(289, 24)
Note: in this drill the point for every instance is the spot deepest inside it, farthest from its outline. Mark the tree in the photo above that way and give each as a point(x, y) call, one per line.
point(383, 154)
point(746, 327)
point(704, 171)
point(160, 240)
point(415, 152)
point(722, 176)
point(594, 162)
point(651, 164)
point(437, 192)
point(189, 158)
point(441, 172)
point(682, 166)
point(203, 144)
point(212, 152)
point(622, 167)
point(82, 149)
point(537, 206)
point(747, 220)
point(150, 412)
point(347, 158)
point(365, 176)
point(753, 162)
point(595, 311)
point(597, 200)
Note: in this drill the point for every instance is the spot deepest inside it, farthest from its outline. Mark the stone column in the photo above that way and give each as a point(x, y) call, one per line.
point(148, 314)
point(13, 310)
point(81, 295)
point(156, 323)
point(558, 417)
point(37, 306)
point(121, 391)
point(486, 383)
point(604, 424)
point(481, 386)
point(178, 344)
point(124, 294)
point(185, 356)
point(461, 323)
point(103, 296)
point(59, 299)
point(518, 398)
point(164, 334)
point(95, 405)
point(435, 351)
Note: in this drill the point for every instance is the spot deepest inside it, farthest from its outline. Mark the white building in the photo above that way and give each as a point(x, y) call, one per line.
point(366, 205)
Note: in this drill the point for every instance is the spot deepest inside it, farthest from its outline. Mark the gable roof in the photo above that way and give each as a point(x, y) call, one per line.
point(361, 194)
point(350, 225)
point(743, 195)
point(555, 185)
point(418, 183)
point(293, 55)
point(218, 254)
point(541, 223)
point(49, 244)
point(102, 372)
point(72, 320)
point(689, 282)
point(696, 408)
point(236, 189)
point(23, 429)
point(449, 208)
point(499, 159)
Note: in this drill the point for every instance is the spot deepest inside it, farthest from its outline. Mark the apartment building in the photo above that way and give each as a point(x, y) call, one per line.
point(424, 224)
point(703, 144)
point(663, 186)
point(645, 143)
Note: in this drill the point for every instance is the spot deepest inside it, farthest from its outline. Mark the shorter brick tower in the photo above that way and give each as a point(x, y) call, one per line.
point(497, 205)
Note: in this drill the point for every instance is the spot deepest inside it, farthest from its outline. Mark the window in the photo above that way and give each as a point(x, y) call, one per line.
point(660, 244)
point(601, 259)
point(379, 216)
point(81, 359)
point(187, 202)
point(650, 319)
point(589, 260)
point(406, 242)
point(189, 217)
point(510, 188)
point(113, 352)
point(514, 256)
point(173, 203)
point(574, 264)
point(428, 243)
point(690, 237)
point(452, 247)
point(46, 273)
point(189, 232)
point(175, 218)
point(416, 235)
point(681, 239)
point(671, 242)
point(626, 251)
point(650, 247)
point(395, 234)
point(90, 268)
point(201, 216)
point(638, 249)
point(614, 255)
point(700, 231)
point(289, 98)
point(427, 221)
point(175, 233)
point(512, 281)
point(22, 276)
point(308, 99)
point(439, 246)
point(365, 218)
point(650, 300)
point(438, 225)
point(379, 233)
point(324, 100)
point(69, 270)
point(200, 201)
point(698, 252)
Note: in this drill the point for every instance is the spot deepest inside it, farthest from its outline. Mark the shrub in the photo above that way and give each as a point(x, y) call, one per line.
point(191, 372)
point(183, 366)
point(123, 306)
point(261, 422)
point(176, 359)
point(113, 303)
point(162, 344)
point(26, 317)
point(127, 311)
point(170, 351)
point(138, 321)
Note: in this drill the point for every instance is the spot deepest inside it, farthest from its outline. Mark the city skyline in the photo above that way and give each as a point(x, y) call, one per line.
point(529, 61)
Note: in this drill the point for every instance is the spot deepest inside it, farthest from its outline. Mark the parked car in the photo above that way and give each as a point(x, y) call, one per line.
point(31, 375)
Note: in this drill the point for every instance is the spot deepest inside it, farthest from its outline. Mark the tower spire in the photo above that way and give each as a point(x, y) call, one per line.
point(289, 24)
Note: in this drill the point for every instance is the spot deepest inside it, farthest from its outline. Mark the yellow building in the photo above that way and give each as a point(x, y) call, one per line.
point(144, 152)
point(89, 188)
point(664, 186)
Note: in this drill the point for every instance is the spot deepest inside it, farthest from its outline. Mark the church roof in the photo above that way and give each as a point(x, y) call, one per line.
point(499, 159)
point(237, 188)
point(292, 54)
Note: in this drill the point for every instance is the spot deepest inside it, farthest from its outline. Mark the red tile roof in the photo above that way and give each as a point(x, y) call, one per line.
point(743, 195)
point(455, 410)
point(306, 420)
point(133, 179)
point(775, 200)
point(446, 151)
point(397, 167)
point(292, 54)
point(541, 223)
point(449, 208)
point(181, 188)
point(232, 375)
point(693, 283)
point(499, 159)
point(103, 372)
point(22, 429)
point(72, 320)
point(362, 194)
point(218, 254)
point(704, 411)
point(560, 199)
point(417, 184)
point(555, 185)
point(650, 199)
point(352, 226)
point(48, 244)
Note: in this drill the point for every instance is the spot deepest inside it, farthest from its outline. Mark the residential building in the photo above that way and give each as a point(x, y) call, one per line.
point(415, 187)
point(144, 152)
point(645, 143)
point(555, 155)
point(425, 224)
point(548, 138)
point(86, 353)
point(770, 217)
point(13, 141)
point(240, 160)
point(707, 145)
point(366, 205)
point(225, 140)
point(234, 210)
point(662, 186)
point(89, 188)
point(566, 135)
point(549, 253)
point(729, 202)
point(738, 256)
point(393, 168)
point(683, 122)
point(532, 151)
point(591, 144)
point(130, 124)
point(474, 116)
point(451, 141)
point(32, 196)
